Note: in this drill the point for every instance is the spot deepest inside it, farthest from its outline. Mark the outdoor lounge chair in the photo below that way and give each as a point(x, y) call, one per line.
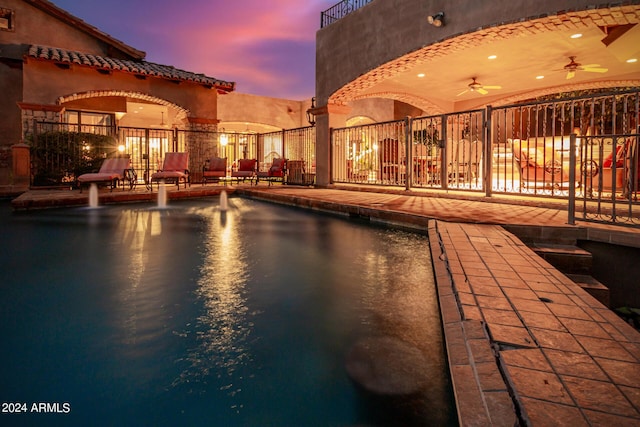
point(112, 171)
point(540, 166)
point(246, 170)
point(620, 174)
point(214, 169)
point(277, 171)
point(175, 168)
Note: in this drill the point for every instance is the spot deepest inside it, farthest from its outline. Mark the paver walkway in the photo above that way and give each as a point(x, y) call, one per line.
point(522, 335)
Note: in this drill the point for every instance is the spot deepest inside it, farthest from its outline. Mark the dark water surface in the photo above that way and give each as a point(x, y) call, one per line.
point(187, 316)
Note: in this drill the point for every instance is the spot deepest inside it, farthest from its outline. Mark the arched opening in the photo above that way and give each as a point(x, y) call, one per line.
point(118, 108)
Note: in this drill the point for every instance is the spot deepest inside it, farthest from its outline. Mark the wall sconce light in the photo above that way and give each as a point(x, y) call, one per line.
point(311, 117)
point(436, 20)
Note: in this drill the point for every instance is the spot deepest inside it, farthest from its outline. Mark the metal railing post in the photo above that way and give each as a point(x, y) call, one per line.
point(488, 154)
point(444, 169)
point(572, 180)
point(408, 153)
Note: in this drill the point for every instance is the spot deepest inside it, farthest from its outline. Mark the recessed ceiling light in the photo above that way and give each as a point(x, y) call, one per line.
point(493, 56)
point(539, 77)
point(421, 75)
point(576, 36)
point(632, 60)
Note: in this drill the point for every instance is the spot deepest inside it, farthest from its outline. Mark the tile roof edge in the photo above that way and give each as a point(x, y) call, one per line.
point(137, 67)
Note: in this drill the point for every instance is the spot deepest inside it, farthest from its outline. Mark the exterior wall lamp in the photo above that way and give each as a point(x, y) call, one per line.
point(311, 117)
point(436, 20)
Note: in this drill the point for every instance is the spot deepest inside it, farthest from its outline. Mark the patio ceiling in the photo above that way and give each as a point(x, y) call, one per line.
point(438, 82)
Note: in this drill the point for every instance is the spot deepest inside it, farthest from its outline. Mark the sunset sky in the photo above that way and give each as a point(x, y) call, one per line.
point(266, 46)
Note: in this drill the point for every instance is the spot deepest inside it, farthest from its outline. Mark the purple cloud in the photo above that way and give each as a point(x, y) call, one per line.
point(266, 47)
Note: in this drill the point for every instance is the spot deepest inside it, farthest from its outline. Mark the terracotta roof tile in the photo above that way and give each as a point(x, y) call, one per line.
point(135, 67)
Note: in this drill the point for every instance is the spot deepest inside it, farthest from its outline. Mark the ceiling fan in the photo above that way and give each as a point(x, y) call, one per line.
point(573, 66)
point(476, 86)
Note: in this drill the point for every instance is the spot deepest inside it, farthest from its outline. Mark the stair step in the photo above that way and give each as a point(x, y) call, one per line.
point(592, 286)
point(567, 258)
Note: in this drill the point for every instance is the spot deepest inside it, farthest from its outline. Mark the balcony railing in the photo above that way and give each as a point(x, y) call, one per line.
point(340, 10)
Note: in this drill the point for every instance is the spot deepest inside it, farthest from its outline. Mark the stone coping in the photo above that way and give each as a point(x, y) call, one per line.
point(526, 345)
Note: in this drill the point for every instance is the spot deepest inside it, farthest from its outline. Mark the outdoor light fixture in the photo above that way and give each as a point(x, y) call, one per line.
point(436, 20)
point(311, 117)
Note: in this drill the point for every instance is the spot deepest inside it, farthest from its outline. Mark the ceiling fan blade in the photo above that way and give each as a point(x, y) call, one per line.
point(589, 66)
point(492, 87)
point(482, 91)
point(595, 70)
point(463, 92)
point(571, 74)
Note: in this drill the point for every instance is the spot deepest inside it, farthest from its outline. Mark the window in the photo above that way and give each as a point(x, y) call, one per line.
point(82, 121)
point(7, 19)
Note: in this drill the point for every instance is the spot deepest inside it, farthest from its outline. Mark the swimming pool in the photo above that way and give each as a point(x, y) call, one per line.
point(133, 315)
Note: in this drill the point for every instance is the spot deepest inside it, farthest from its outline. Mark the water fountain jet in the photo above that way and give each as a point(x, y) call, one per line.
point(93, 195)
point(162, 196)
point(224, 205)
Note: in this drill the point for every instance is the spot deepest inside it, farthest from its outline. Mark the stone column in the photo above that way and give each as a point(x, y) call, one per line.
point(327, 117)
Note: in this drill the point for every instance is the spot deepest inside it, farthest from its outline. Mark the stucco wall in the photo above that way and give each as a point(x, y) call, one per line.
point(44, 83)
point(33, 26)
point(11, 90)
point(381, 110)
point(385, 30)
point(281, 113)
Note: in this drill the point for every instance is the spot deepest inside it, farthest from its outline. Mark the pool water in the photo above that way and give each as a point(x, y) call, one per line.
point(189, 316)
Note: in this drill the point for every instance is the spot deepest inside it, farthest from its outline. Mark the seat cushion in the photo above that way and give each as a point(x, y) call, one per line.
point(217, 164)
point(242, 174)
point(169, 175)
point(246, 165)
point(214, 173)
point(176, 161)
point(99, 177)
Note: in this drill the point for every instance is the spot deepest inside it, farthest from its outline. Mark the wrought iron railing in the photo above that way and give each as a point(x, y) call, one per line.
point(60, 152)
point(340, 10)
point(298, 146)
point(609, 180)
point(520, 149)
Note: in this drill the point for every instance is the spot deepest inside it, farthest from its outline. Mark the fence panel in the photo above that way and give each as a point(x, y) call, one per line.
point(370, 154)
point(464, 150)
point(426, 142)
point(300, 150)
point(608, 178)
point(530, 142)
point(146, 148)
point(270, 146)
point(60, 152)
point(340, 10)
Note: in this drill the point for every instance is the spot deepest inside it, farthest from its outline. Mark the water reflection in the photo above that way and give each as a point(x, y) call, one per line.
point(400, 335)
point(134, 230)
point(223, 327)
point(174, 317)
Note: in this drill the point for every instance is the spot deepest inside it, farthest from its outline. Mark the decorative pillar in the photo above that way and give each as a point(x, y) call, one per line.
point(327, 117)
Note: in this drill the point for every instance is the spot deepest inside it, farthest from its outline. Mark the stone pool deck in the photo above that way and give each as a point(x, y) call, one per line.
point(526, 345)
